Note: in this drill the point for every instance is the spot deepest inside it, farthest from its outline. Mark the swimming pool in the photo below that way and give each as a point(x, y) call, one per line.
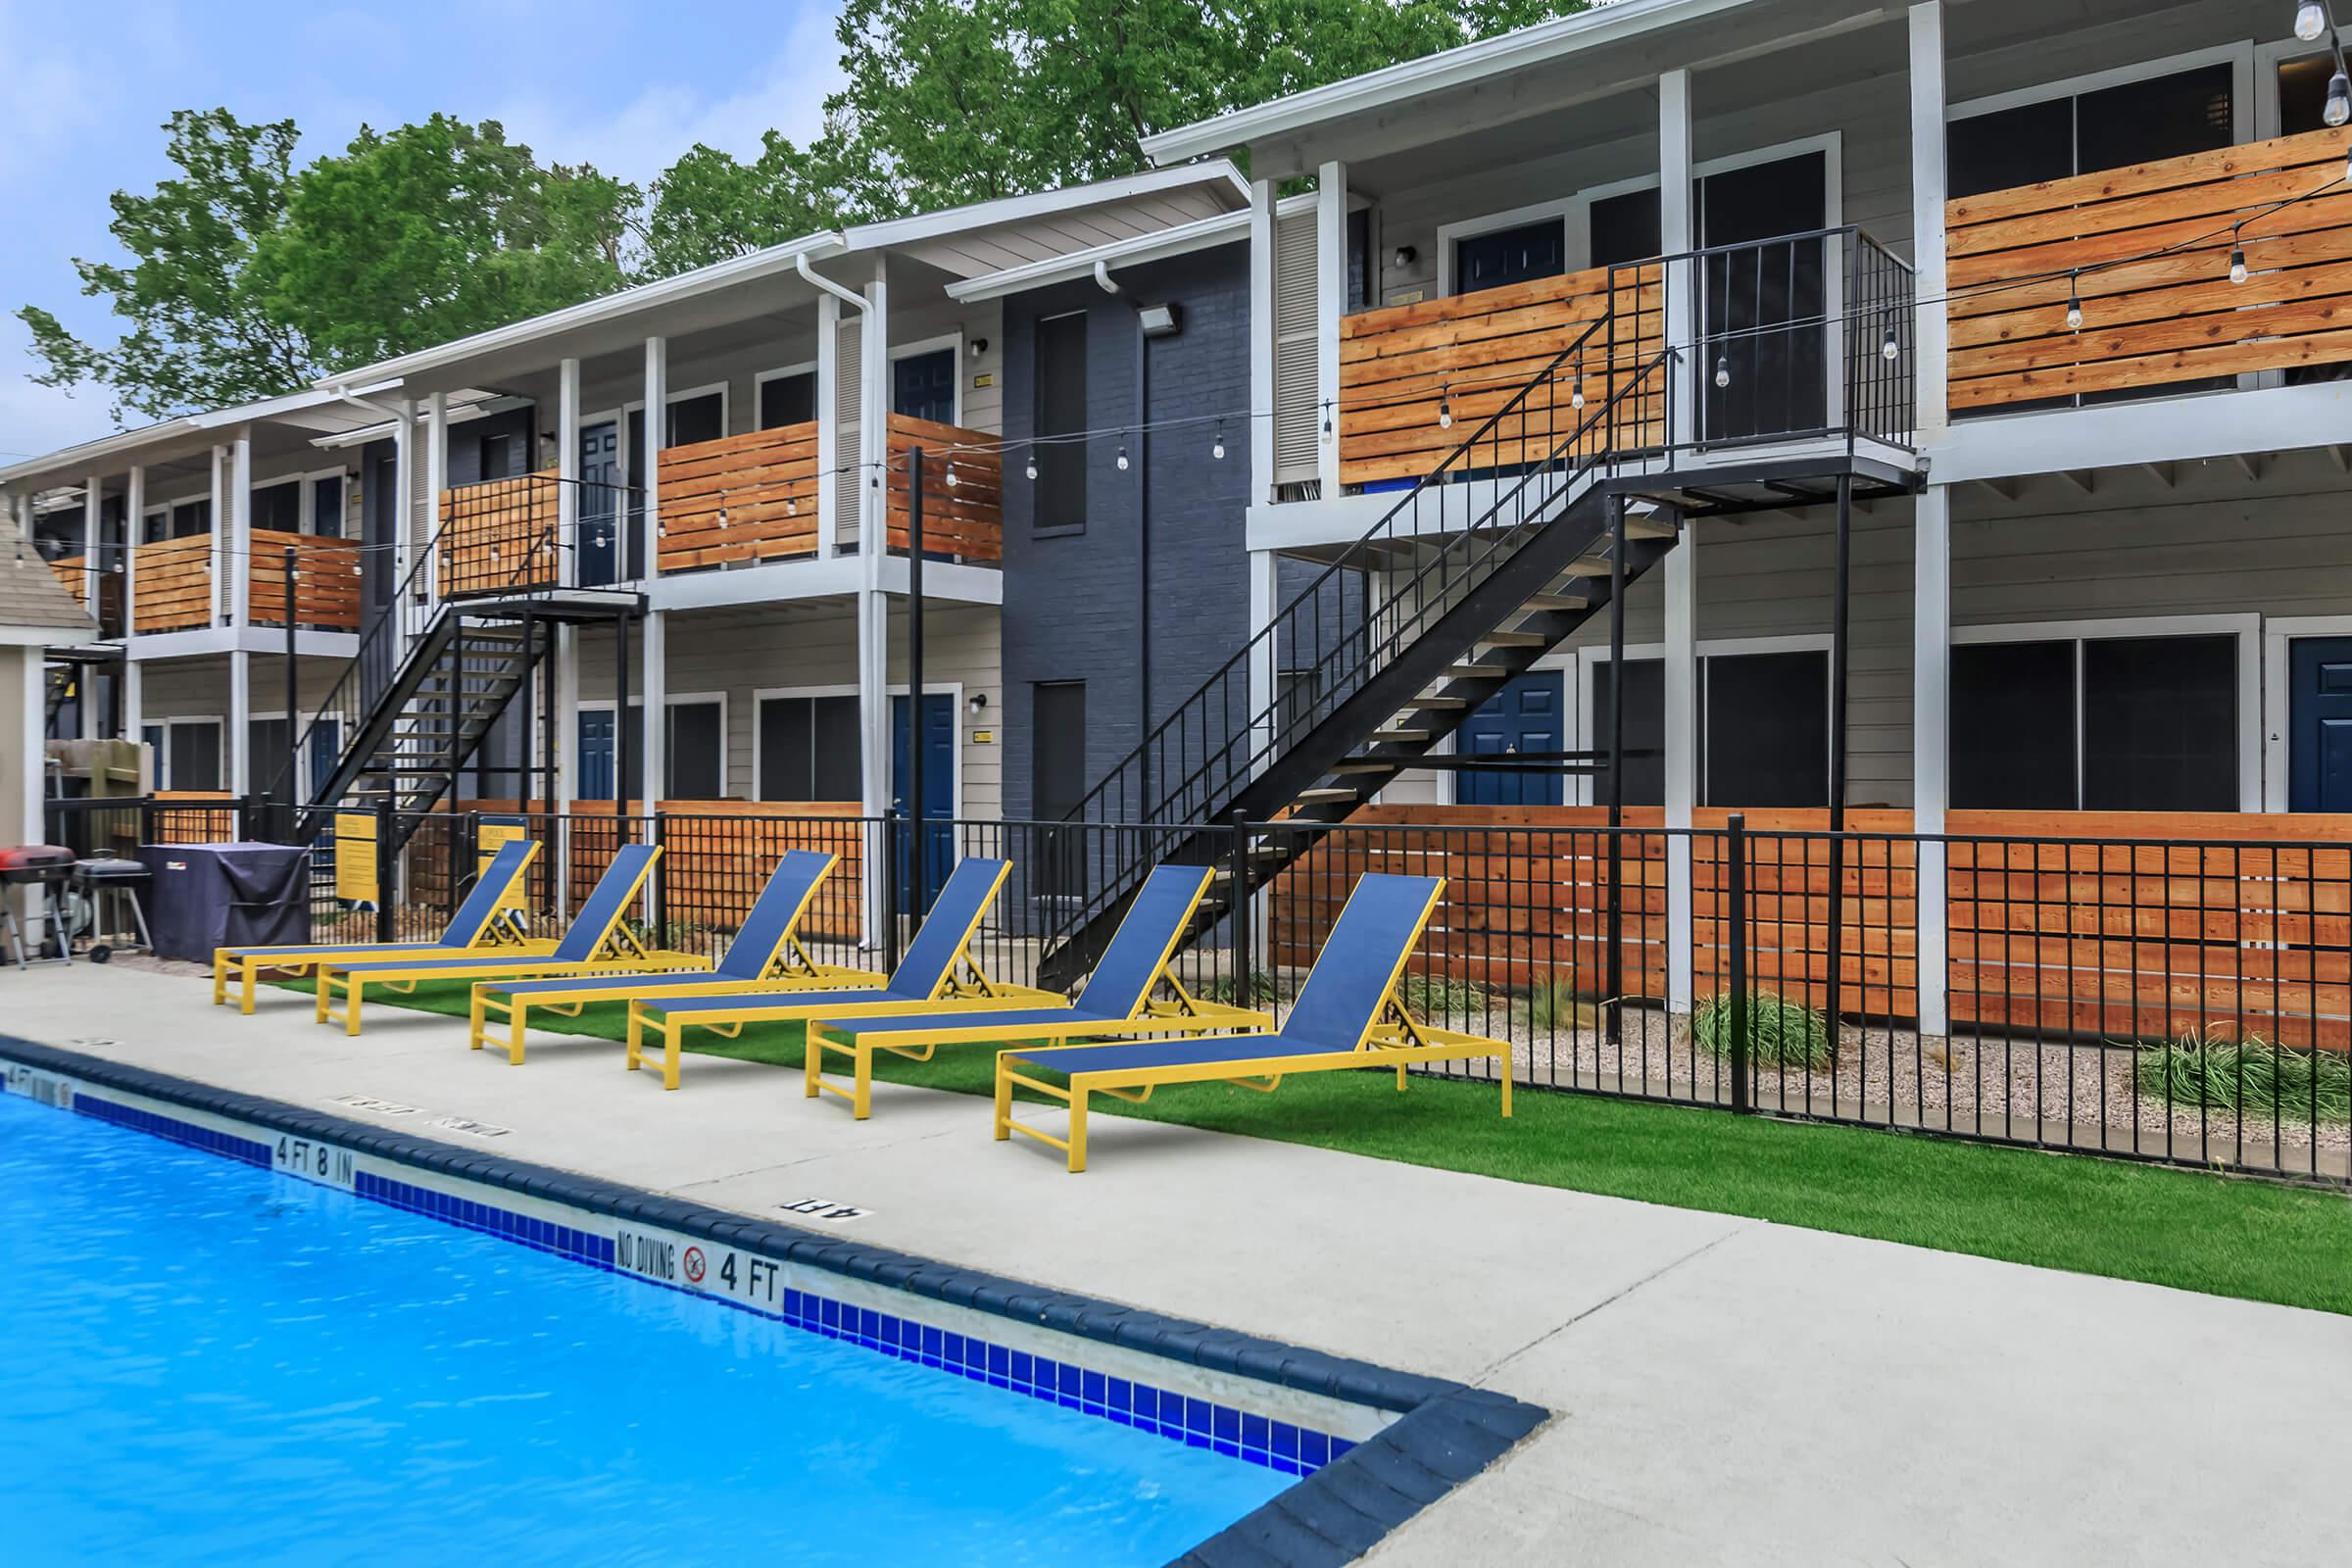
point(213, 1361)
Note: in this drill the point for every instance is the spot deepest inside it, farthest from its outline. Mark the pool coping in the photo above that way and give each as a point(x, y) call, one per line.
point(1445, 1433)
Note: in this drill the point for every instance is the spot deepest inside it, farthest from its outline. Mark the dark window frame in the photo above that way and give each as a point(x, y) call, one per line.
point(1062, 480)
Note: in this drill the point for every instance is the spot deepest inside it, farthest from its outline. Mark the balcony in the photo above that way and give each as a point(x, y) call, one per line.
point(2017, 256)
point(174, 585)
point(327, 580)
point(499, 535)
point(742, 498)
point(963, 490)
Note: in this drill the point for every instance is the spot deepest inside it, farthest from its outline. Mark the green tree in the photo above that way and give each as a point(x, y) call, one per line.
point(708, 206)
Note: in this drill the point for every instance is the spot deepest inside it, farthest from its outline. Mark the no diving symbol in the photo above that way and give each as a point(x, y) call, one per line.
point(694, 1265)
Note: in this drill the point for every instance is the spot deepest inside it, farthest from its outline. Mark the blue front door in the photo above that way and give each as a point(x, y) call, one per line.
point(599, 511)
point(939, 795)
point(596, 755)
point(1524, 716)
point(2318, 751)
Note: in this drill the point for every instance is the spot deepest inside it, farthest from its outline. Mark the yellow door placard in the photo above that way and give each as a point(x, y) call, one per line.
point(489, 837)
point(355, 856)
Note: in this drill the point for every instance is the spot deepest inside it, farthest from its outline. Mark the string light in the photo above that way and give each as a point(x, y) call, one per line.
point(1219, 451)
point(1890, 349)
point(1031, 468)
point(2237, 257)
point(2074, 305)
point(1445, 407)
point(953, 482)
point(2339, 99)
point(1576, 392)
point(1122, 456)
point(1723, 370)
point(2310, 20)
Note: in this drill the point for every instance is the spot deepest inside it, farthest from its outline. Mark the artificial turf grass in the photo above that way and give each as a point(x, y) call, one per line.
point(2249, 1239)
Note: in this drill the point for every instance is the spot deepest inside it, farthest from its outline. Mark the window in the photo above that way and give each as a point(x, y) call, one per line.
point(1503, 256)
point(278, 506)
point(1060, 496)
point(1057, 781)
point(788, 400)
point(1763, 726)
point(499, 456)
point(693, 752)
point(327, 505)
point(191, 517)
point(1625, 228)
point(2098, 725)
point(187, 753)
point(922, 386)
point(692, 419)
point(266, 752)
point(809, 748)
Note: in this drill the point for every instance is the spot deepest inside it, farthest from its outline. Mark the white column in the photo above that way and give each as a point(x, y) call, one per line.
point(1677, 235)
point(1261, 341)
point(828, 425)
point(134, 525)
point(1931, 345)
point(653, 681)
point(873, 618)
point(1331, 302)
point(240, 721)
point(1265, 598)
point(134, 700)
point(403, 486)
point(240, 533)
point(1682, 757)
point(1931, 736)
point(648, 476)
point(221, 532)
point(568, 716)
point(93, 501)
point(436, 478)
point(567, 475)
point(32, 744)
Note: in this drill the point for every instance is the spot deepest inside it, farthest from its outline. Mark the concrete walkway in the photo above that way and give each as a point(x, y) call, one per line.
point(1729, 1390)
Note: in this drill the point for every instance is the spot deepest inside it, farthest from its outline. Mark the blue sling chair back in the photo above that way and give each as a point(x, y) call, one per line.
point(478, 923)
point(1123, 997)
point(938, 966)
point(766, 953)
point(596, 941)
point(1348, 1016)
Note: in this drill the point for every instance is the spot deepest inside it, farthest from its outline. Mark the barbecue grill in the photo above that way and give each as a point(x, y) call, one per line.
point(48, 867)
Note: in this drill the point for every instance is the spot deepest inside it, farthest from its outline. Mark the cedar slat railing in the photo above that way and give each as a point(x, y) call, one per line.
point(71, 570)
point(174, 590)
point(1471, 353)
point(2108, 940)
point(498, 535)
point(326, 582)
point(2151, 323)
point(750, 497)
point(966, 519)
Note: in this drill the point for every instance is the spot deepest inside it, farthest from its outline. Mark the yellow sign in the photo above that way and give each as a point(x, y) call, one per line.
point(355, 856)
point(487, 839)
point(983, 737)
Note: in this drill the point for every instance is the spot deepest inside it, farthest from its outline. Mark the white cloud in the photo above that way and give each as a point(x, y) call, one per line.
point(647, 133)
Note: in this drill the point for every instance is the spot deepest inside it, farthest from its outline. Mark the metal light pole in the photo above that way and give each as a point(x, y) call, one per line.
point(914, 672)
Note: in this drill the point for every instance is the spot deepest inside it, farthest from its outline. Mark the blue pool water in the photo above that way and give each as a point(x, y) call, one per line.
point(208, 1362)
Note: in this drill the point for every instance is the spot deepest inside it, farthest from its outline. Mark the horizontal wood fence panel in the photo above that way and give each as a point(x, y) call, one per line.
point(749, 497)
point(327, 580)
point(173, 587)
point(501, 533)
point(965, 518)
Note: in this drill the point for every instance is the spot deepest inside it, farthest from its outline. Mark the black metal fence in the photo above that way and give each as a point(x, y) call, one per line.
point(2178, 1001)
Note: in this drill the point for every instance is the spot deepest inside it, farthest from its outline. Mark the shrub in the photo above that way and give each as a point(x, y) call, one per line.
point(1263, 988)
point(1429, 996)
point(1779, 1033)
point(1554, 1003)
point(2249, 1075)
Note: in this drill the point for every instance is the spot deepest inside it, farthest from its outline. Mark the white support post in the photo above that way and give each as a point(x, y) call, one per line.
point(404, 486)
point(436, 476)
point(653, 681)
point(1331, 302)
point(240, 722)
point(1682, 760)
point(134, 703)
point(567, 475)
point(1676, 235)
point(873, 544)
point(1931, 335)
point(828, 425)
point(240, 534)
point(32, 744)
point(134, 525)
point(93, 502)
point(1261, 341)
point(1930, 739)
point(220, 530)
point(648, 473)
point(1265, 599)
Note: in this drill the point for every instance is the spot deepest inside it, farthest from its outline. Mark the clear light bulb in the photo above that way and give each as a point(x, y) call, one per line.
point(1890, 350)
point(2310, 20)
point(1122, 456)
point(953, 482)
point(1723, 370)
point(2074, 316)
point(1031, 468)
point(1445, 415)
point(1219, 451)
point(2339, 100)
point(2238, 267)
point(1576, 395)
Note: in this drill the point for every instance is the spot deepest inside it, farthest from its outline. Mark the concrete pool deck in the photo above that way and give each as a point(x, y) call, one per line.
point(1727, 1390)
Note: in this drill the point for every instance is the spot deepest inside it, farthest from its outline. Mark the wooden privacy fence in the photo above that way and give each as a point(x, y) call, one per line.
point(963, 489)
point(173, 589)
point(327, 580)
point(2015, 258)
point(1405, 369)
point(501, 533)
point(2243, 924)
point(71, 571)
point(750, 497)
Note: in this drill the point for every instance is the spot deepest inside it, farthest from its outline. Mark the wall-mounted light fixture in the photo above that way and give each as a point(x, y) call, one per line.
point(976, 704)
point(1160, 320)
point(979, 347)
point(1405, 256)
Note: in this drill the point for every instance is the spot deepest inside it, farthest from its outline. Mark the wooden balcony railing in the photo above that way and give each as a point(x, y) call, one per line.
point(963, 489)
point(750, 497)
point(73, 571)
point(175, 587)
point(500, 535)
point(326, 585)
point(2151, 319)
point(1405, 367)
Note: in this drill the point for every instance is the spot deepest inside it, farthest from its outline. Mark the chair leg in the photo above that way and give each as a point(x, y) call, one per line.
point(1077, 1128)
point(517, 1010)
point(1506, 1088)
point(669, 1052)
point(351, 1005)
point(813, 1061)
point(1004, 1103)
point(220, 979)
point(321, 993)
point(477, 1021)
point(245, 989)
point(636, 1038)
point(861, 1097)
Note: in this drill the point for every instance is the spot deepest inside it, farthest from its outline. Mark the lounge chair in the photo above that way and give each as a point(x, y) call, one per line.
point(597, 943)
point(478, 926)
point(766, 955)
point(1349, 1014)
point(938, 966)
point(1123, 997)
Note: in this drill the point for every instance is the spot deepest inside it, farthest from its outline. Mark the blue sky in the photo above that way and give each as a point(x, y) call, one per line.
point(86, 87)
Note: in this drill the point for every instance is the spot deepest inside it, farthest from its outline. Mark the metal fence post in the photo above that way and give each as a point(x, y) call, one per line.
point(657, 887)
point(387, 927)
point(1735, 855)
point(1238, 911)
point(889, 901)
point(461, 836)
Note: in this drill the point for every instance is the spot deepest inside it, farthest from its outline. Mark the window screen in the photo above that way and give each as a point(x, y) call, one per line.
point(2160, 725)
point(1644, 731)
point(787, 400)
point(327, 505)
point(809, 748)
point(1057, 781)
point(696, 760)
point(2013, 727)
point(195, 755)
point(1767, 729)
point(1060, 412)
point(278, 506)
point(1510, 256)
point(693, 420)
point(192, 517)
point(1626, 228)
point(922, 386)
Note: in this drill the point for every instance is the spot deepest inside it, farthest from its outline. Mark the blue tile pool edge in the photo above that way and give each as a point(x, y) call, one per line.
point(1444, 1433)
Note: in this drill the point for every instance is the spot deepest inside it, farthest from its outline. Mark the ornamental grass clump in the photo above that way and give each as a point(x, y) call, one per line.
point(2250, 1076)
point(1779, 1033)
